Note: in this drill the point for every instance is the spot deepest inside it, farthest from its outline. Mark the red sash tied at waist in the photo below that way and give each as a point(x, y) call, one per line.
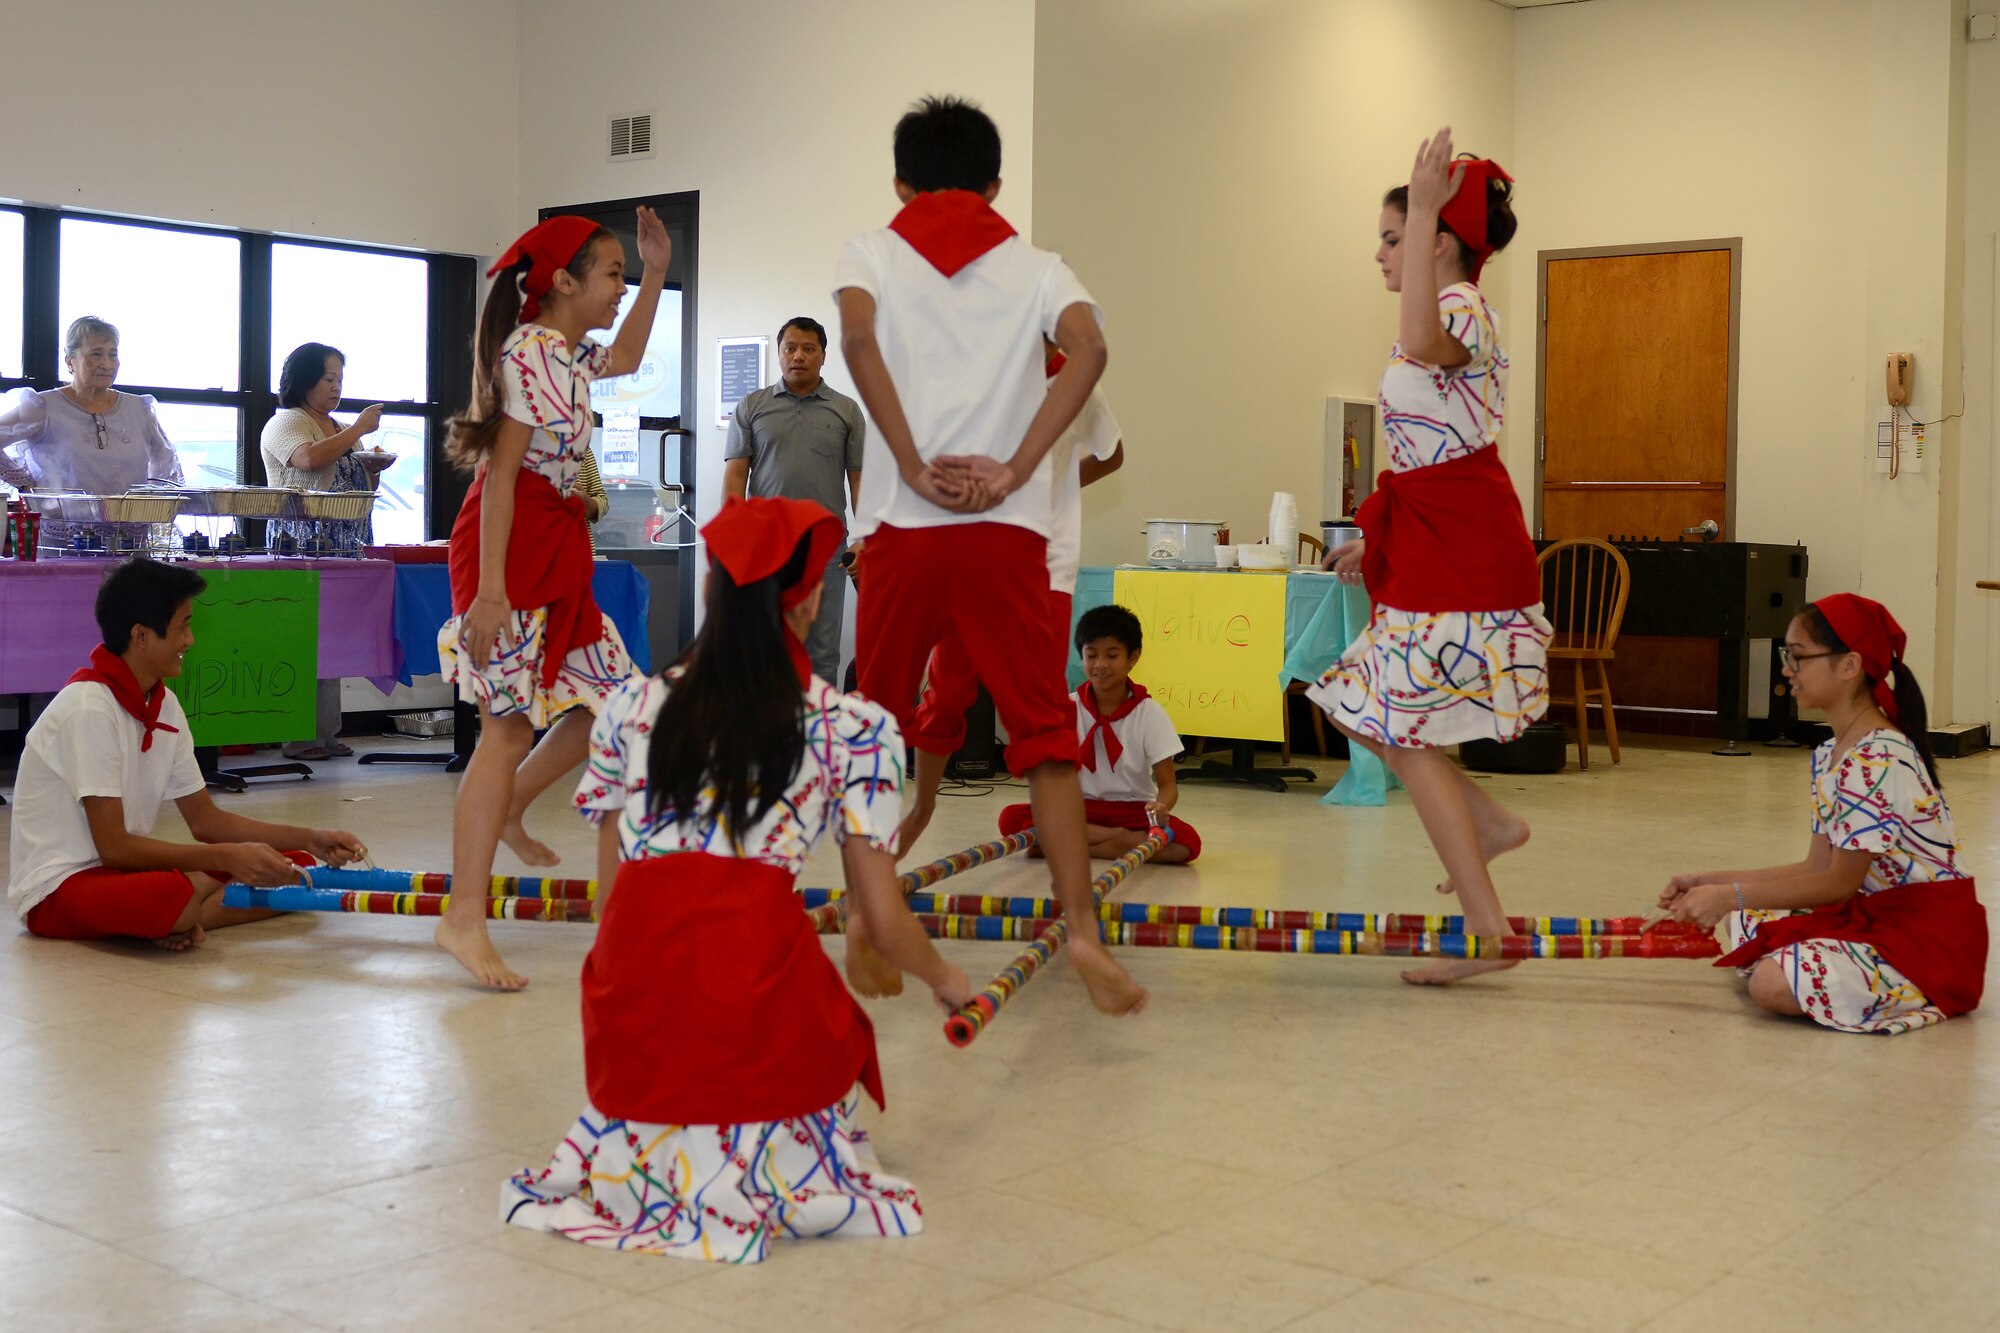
point(708, 1000)
point(1450, 537)
point(1934, 934)
point(548, 564)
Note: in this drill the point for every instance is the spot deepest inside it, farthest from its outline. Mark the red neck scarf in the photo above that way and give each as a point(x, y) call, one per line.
point(950, 228)
point(109, 670)
point(1114, 748)
point(1867, 628)
point(1465, 211)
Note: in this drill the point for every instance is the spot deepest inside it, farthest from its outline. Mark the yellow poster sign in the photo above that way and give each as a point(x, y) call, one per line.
point(1215, 644)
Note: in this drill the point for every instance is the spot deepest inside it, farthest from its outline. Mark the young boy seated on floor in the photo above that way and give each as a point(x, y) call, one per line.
point(107, 753)
point(1128, 747)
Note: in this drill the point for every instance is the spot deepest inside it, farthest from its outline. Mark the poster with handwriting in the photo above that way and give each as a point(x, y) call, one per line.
point(1215, 644)
point(251, 676)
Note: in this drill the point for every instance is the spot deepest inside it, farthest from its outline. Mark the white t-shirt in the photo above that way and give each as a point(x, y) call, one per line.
point(1147, 734)
point(965, 353)
point(82, 745)
point(1094, 434)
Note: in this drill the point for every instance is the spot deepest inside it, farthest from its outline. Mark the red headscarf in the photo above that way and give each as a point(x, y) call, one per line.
point(1465, 211)
point(551, 244)
point(1867, 628)
point(753, 539)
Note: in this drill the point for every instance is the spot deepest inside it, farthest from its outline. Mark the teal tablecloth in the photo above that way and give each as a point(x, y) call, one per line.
point(1322, 616)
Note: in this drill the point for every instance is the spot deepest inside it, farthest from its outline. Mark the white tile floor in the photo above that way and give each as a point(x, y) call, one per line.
point(304, 1124)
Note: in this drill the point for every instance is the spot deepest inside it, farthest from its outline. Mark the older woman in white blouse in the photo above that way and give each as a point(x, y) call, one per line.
point(85, 436)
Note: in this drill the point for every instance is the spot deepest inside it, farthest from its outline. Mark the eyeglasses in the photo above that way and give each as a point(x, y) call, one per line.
point(98, 422)
point(1792, 659)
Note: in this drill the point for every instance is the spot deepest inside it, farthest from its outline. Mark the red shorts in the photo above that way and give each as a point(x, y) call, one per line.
point(101, 903)
point(987, 585)
point(951, 686)
point(1109, 814)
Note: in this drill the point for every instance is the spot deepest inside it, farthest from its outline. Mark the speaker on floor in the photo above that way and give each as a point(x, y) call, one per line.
point(979, 756)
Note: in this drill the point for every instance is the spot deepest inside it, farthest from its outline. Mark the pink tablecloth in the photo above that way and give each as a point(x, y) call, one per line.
point(47, 628)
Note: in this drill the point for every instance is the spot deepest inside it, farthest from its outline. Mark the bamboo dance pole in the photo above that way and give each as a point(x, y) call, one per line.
point(422, 881)
point(970, 904)
point(300, 898)
point(983, 1007)
point(1346, 943)
point(834, 913)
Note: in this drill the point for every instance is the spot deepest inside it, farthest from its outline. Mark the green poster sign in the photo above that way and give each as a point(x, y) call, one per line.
point(251, 677)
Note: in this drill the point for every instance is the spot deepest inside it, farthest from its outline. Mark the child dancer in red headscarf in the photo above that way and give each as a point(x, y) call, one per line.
point(724, 1058)
point(1457, 648)
point(527, 643)
point(1876, 930)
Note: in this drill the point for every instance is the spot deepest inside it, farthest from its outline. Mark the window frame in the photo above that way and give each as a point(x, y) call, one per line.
point(451, 311)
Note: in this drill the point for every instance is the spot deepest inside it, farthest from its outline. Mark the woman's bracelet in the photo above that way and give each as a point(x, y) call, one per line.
point(1739, 897)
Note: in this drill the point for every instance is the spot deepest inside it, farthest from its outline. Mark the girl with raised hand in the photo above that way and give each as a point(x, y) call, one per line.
point(527, 643)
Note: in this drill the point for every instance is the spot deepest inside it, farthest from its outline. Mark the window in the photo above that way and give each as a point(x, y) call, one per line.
point(399, 492)
point(173, 295)
point(12, 261)
point(375, 308)
point(205, 439)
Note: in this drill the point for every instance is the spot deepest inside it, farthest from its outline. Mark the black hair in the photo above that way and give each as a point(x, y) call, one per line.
point(732, 725)
point(804, 324)
point(1501, 223)
point(1915, 713)
point(1110, 621)
point(305, 367)
point(947, 143)
point(142, 592)
point(471, 433)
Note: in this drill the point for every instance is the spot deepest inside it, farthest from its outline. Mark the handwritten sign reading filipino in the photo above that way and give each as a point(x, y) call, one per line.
point(251, 676)
point(1215, 644)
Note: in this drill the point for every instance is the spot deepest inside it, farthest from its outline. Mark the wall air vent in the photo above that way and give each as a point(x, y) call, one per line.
point(632, 137)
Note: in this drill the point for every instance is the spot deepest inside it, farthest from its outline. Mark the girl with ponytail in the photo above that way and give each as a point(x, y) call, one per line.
point(1876, 930)
point(724, 1058)
point(526, 643)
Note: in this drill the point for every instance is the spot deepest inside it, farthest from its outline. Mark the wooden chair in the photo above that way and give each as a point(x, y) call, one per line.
point(1585, 583)
point(1311, 549)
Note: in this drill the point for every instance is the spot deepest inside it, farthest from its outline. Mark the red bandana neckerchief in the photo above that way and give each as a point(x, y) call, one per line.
point(109, 670)
point(1114, 748)
point(950, 228)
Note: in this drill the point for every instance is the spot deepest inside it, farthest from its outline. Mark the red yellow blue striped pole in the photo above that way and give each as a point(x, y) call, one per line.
point(833, 913)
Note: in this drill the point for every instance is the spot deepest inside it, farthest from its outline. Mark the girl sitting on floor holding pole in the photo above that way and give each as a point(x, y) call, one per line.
point(1876, 930)
point(725, 1059)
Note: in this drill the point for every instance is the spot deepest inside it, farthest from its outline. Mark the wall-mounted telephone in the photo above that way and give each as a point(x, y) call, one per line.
point(1899, 447)
point(1900, 369)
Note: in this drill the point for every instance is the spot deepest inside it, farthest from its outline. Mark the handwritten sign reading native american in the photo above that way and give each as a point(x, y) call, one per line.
point(1215, 644)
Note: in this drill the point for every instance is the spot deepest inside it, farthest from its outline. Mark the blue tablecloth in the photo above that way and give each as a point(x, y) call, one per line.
point(1322, 616)
point(423, 604)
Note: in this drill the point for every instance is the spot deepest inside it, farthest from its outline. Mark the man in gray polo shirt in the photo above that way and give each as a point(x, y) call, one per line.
point(801, 440)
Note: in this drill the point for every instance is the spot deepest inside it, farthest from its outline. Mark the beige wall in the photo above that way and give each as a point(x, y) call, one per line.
point(377, 120)
point(1821, 132)
point(780, 113)
point(1974, 492)
point(1213, 169)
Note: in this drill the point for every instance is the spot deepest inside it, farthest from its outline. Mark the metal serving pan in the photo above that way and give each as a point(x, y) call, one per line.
point(78, 507)
point(238, 502)
point(333, 504)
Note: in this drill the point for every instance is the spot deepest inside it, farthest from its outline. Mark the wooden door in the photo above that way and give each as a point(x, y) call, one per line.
point(1635, 426)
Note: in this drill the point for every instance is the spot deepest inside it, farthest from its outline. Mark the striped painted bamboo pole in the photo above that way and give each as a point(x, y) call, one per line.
point(834, 912)
point(424, 881)
point(300, 898)
point(1259, 918)
point(983, 1007)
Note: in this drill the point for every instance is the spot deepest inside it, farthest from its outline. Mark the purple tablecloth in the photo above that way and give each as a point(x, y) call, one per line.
point(47, 628)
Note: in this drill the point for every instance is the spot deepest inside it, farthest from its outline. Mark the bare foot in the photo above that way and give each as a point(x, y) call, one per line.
point(182, 940)
point(1111, 988)
point(912, 828)
point(535, 853)
point(869, 972)
point(1496, 840)
point(1457, 969)
point(475, 952)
